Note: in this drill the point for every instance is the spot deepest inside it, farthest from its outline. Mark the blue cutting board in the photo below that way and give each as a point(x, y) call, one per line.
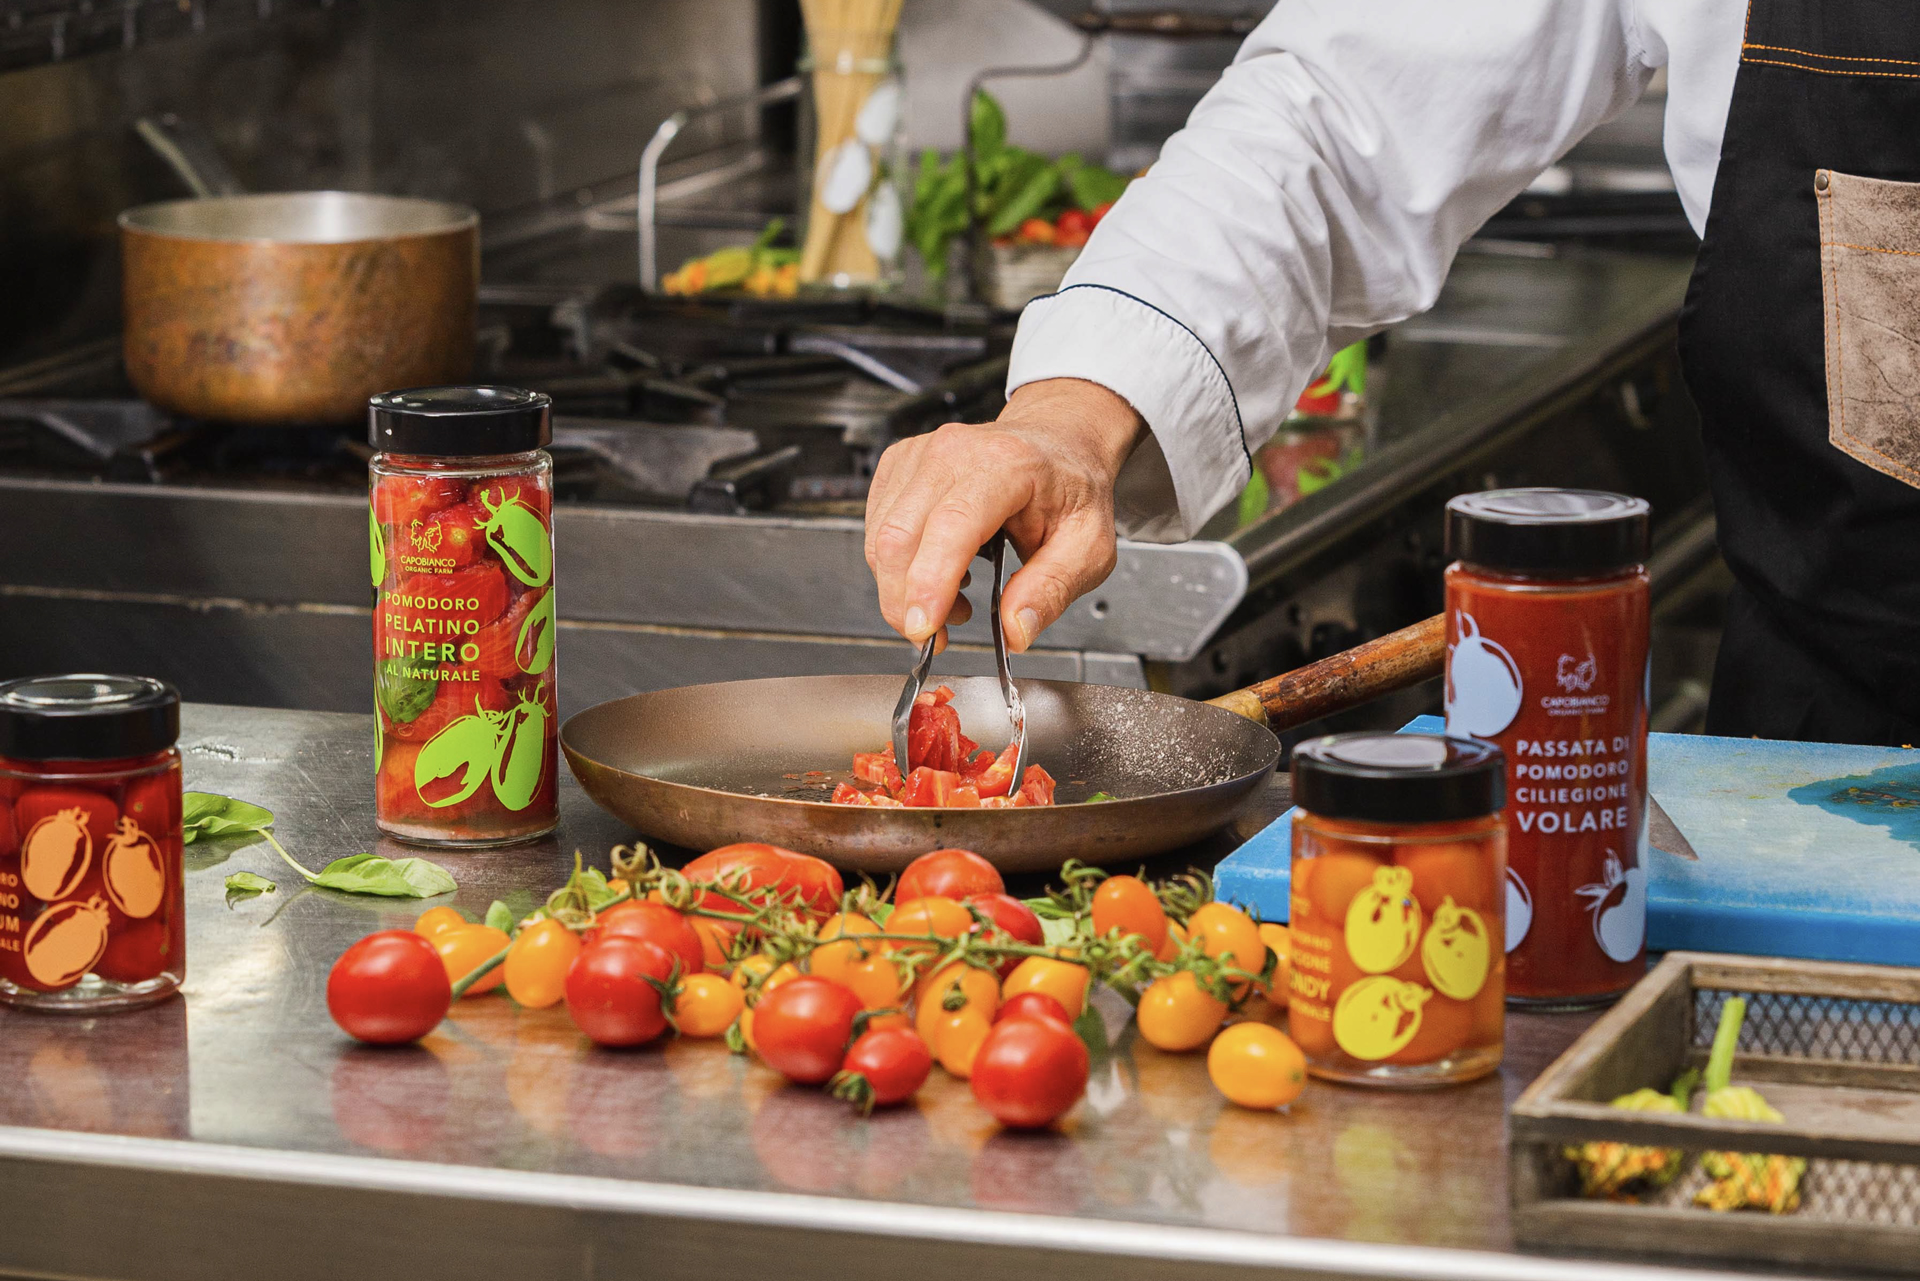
point(1806, 849)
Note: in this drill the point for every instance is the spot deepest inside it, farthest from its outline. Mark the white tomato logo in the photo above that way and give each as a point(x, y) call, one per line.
point(1483, 683)
point(1619, 905)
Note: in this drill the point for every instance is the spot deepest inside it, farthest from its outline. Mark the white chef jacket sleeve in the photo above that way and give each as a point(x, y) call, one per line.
point(1317, 194)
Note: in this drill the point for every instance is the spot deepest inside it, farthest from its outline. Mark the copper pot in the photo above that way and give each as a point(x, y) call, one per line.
point(295, 307)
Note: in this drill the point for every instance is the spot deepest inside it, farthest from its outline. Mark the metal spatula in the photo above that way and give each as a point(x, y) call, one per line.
point(996, 551)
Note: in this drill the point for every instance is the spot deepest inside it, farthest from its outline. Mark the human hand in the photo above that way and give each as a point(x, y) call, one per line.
point(1043, 471)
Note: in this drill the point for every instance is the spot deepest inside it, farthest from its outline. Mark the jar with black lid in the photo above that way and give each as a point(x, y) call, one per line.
point(1396, 909)
point(460, 524)
point(92, 897)
point(1548, 612)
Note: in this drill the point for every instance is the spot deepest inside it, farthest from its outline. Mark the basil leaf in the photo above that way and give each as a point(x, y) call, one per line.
point(1095, 185)
point(1098, 797)
point(1092, 1029)
point(402, 694)
point(988, 126)
point(245, 885)
point(1055, 931)
point(389, 878)
point(500, 917)
point(593, 883)
point(1026, 202)
point(205, 814)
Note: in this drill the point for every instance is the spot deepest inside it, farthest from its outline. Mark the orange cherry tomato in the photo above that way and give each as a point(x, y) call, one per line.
point(464, 950)
point(979, 989)
point(1333, 879)
point(1446, 1026)
point(437, 919)
point(1460, 870)
point(1279, 941)
point(716, 938)
point(958, 1036)
point(753, 968)
point(1176, 937)
point(707, 1005)
point(1257, 1066)
point(931, 915)
point(1064, 981)
point(535, 970)
point(1128, 904)
point(877, 982)
point(1228, 933)
point(1176, 1013)
point(835, 961)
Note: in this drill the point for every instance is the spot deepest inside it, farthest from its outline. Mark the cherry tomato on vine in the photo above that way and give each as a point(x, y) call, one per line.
point(536, 966)
point(958, 1037)
point(466, 949)
point(1128, 904)
point(876, 981)
point(801, 1028)
point(951, 874)
point(1176, 1013)
point(1030, 1072)
point(933, 915)
point(1228, 933)
point(716, 940)
point(436, 920)
point(837, 959)
point(977, 990)
point(1014, 918)
point(656, 923)
point(757, 966)
point(1257, 1066)
point(707, 1006)
point(1064, 981)
point(614, 991)
point(819, 884)
point(883, 1066)
point(1032, 1005)
point(388, 988)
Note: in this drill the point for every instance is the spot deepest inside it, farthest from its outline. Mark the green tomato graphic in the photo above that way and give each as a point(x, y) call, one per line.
point(523, 754)
point(377, 544)
point(533, 651)
point(520, 538)
point(465, 751)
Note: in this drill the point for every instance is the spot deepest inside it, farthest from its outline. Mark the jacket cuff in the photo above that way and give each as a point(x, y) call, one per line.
point(1197, 460)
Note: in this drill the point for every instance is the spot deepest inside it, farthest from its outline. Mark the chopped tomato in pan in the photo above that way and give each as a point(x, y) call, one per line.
point(945, 768)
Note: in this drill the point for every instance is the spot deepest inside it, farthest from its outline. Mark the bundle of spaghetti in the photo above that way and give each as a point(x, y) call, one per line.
point(852, 46)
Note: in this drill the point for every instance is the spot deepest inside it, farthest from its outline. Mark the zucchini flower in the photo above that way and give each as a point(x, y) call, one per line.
point(1743, 1180)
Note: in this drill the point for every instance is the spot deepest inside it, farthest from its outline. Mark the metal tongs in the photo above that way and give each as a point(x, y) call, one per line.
point(996, 551)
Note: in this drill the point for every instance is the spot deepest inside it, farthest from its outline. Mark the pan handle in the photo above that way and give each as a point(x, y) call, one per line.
point(1348, 679)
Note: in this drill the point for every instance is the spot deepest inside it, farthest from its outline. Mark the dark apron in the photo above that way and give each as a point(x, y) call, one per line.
point(1801, 343)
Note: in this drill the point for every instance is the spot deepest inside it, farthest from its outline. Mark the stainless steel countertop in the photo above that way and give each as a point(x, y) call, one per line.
point(237, 1132)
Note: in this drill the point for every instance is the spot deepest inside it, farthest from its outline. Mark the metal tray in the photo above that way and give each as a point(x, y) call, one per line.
point(1834, 1047)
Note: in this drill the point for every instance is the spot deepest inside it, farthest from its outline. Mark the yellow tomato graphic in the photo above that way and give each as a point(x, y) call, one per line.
point(1383, 922)
point(1455, 954)
point(1376, 1017)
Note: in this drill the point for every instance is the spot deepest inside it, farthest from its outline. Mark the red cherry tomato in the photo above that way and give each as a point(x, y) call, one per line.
point(388, 988)
point(892, 1061)
point(400, 500)
point(955, 874)
point(801, 1028)
point(1033, 1005)
point(1030, 1072)
point(612, 993)
point(1100, 211)
point(1015, 919)
point(656, 923)
point(1074, 222)
point(136, 951)
point(819, 884)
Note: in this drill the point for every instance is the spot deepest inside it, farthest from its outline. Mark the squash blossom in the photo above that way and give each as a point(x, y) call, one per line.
point(1743, 1180)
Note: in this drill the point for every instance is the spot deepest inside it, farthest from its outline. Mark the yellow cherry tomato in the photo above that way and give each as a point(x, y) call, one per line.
point(1176, 1013)
point(1279, 941)
point(536, 967)
point(958, 1037)
point(979, 990)
point(1176, 935)
point(786, 973)
point(836, 959)
point(1128, 904)
point(1228, 933)
point(877, 982)
point(757, 966)
point(464, 950)
point(746, 1030)
point(930, 915)
point(1257, 1066)
point(707, 1005)
point(435, 920)
point(1064, 981)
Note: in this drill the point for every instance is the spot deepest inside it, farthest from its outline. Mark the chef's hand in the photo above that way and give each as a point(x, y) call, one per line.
point(1043, 471)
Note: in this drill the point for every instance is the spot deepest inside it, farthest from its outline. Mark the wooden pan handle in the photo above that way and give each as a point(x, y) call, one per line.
point(1394, 661)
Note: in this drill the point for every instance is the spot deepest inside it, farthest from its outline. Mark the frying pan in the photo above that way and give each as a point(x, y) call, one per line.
point(707, 765)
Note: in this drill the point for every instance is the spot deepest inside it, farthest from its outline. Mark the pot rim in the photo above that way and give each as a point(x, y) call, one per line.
point(426, 217)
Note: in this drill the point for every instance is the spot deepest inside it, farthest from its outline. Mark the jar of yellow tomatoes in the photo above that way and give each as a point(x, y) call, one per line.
point(1399, 869)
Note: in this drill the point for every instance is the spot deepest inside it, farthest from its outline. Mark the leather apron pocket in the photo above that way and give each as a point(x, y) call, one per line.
point(1870, 291)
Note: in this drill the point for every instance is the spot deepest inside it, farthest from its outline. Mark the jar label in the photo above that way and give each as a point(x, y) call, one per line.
point(1557, 679)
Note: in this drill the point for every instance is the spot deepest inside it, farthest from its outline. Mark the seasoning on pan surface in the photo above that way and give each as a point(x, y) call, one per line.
point(1396, 908)
point(460, 537)
point(92, 900)
point(1547, 639)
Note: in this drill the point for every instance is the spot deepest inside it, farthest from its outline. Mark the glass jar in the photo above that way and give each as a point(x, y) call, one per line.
point(1547, 642)
point(460, 526)
point(92, 898)
point(850, 127)
point(1399, 854)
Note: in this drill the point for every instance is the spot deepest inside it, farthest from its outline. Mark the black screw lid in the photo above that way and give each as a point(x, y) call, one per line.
point(1380, 777)
point(1551, 531)
point(87, 717)
point(459, 422)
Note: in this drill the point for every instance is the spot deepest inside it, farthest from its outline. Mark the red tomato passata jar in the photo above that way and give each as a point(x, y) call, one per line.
point(460, 531)
point(1399, 856)
point(1547, 642)
point(92, 899)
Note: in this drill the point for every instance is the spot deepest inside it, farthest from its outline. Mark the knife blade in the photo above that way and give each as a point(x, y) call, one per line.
point(1663, 835)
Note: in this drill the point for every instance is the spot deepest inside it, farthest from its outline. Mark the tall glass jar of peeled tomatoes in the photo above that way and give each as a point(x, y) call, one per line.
point(1547, 642)
point(460, 533)
point(92, 901)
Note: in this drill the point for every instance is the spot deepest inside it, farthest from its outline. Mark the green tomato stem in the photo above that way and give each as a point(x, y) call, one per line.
point(481, 971)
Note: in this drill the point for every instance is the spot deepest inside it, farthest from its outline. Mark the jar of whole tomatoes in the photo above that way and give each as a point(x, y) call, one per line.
point(1399, 857)
point(460, 527)
point(91, 894)
point(1547, 645)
